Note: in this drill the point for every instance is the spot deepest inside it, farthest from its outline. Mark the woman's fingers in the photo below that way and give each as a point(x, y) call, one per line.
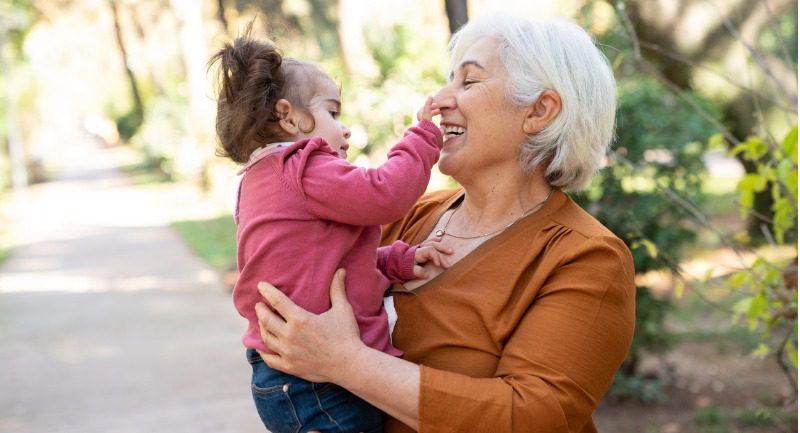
point(272, 360)
point(280, 302)
point(269, 321)
point(338, 292)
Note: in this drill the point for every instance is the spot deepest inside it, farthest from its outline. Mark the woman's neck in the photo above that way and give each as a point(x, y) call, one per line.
point(498, 198)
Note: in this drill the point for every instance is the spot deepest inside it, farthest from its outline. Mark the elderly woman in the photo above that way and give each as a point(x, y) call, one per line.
point(524, 330)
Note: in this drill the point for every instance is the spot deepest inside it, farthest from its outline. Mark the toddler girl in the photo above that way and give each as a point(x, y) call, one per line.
point(303, 211)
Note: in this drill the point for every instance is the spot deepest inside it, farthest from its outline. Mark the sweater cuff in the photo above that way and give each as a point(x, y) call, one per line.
point(407, 264)
point(431, 127)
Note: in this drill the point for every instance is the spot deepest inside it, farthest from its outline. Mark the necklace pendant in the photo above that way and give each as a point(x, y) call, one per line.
point(439, 233)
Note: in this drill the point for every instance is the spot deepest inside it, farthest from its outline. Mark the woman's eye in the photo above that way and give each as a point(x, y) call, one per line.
point(467, 83)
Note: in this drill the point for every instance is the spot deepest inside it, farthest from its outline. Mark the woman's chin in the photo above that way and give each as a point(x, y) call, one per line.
point(447, 164)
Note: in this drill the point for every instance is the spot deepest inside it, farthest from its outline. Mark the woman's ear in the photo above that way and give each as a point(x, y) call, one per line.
point(542, 112)
point(287, 117)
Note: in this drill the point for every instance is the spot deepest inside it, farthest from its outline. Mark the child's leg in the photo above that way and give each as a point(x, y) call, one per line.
point(289, 404)
point(348, 412)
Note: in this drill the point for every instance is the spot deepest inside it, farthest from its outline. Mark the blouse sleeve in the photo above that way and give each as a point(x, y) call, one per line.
point(558, 362)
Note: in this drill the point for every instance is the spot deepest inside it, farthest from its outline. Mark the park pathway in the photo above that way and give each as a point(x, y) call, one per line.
point(108, 322)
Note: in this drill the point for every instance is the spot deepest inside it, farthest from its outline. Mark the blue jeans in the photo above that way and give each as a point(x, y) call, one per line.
point(289, 404)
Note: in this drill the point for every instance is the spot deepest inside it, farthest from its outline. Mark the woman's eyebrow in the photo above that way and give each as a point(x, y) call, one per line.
point(466, 63)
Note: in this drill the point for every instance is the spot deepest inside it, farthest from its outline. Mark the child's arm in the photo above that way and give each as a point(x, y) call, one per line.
point(338, 191)
point(400, 262)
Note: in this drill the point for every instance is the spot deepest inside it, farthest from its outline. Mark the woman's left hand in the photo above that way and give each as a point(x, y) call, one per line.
point(316, 347)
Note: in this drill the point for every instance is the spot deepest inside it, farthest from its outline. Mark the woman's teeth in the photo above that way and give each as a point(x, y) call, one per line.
point(451, 131)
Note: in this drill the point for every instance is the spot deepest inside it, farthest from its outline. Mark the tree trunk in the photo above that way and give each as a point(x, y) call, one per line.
point(457, 14)
point(138, 105)
point(221, 15)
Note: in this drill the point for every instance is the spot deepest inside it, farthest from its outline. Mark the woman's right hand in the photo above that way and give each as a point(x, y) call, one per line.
point(316, 347)
point(428, 110)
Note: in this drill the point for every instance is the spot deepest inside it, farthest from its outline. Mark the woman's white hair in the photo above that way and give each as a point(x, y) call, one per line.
point(554, 54)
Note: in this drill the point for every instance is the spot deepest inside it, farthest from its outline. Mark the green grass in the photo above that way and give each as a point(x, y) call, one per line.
point(5, 249)
point(712, 420)
point(214, 240)
point(4, 253)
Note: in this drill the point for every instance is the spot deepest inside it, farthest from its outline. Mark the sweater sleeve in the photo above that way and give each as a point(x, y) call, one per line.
point(338, 191)
point(396, 262)
point(558, 362)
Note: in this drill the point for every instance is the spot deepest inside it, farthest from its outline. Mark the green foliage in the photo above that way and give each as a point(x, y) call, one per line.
point(214, 240)
point(781, 40)
point(408, 68)
point(645, 389)
point(635, 197)
point(164, 130)
point(650, 336)
point(651, 158)
point(386, 47)
point(769, 285)
point(128, 124)
point(17, 18)
point(148, 171)
point(712, 420)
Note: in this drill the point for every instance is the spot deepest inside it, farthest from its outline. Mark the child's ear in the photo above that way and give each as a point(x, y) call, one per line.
point(287, 116)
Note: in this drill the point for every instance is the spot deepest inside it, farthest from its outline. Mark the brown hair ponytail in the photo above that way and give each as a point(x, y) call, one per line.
point(251, 80)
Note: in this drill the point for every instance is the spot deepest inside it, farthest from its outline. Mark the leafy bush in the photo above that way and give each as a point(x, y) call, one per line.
point(769, 285)
point(651, 170)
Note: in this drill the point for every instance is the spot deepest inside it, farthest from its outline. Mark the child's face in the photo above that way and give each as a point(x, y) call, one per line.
point(325, 106)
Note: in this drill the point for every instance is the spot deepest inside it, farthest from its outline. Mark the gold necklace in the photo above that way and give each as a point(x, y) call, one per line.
point(443, 231)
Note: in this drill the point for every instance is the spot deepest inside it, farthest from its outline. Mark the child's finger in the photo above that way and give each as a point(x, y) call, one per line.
point(443, 249)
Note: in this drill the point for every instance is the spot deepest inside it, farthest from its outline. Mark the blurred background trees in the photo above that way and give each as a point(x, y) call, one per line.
point(704, 166)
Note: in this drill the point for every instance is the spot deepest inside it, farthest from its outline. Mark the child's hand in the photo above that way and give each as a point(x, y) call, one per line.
point(428, 110)
point(432, 251)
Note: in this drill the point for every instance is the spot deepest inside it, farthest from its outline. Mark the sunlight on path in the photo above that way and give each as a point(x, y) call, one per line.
point(109, 322)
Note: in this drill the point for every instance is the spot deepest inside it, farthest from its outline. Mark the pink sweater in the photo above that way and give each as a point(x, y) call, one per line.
point(304, 212)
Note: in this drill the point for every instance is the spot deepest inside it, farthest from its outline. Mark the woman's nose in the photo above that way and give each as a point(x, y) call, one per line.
point(445, 98)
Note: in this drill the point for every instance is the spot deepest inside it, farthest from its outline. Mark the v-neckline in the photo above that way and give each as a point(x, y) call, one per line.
point(555, 202)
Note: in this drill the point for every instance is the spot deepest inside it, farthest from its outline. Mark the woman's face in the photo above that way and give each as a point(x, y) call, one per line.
point(482, 130)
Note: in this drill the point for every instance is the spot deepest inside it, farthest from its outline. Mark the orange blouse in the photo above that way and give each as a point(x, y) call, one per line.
point(525, 333)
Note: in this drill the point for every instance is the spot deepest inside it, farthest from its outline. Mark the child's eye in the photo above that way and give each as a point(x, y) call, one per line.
point(335, 114)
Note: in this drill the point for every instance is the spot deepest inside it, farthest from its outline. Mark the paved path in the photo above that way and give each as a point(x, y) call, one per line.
point(108, 322)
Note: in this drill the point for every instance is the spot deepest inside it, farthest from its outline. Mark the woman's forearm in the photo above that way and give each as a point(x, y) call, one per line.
point(388, 383)
point(326, 348)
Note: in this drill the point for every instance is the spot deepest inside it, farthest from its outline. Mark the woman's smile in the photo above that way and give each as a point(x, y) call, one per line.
point(452, 133)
